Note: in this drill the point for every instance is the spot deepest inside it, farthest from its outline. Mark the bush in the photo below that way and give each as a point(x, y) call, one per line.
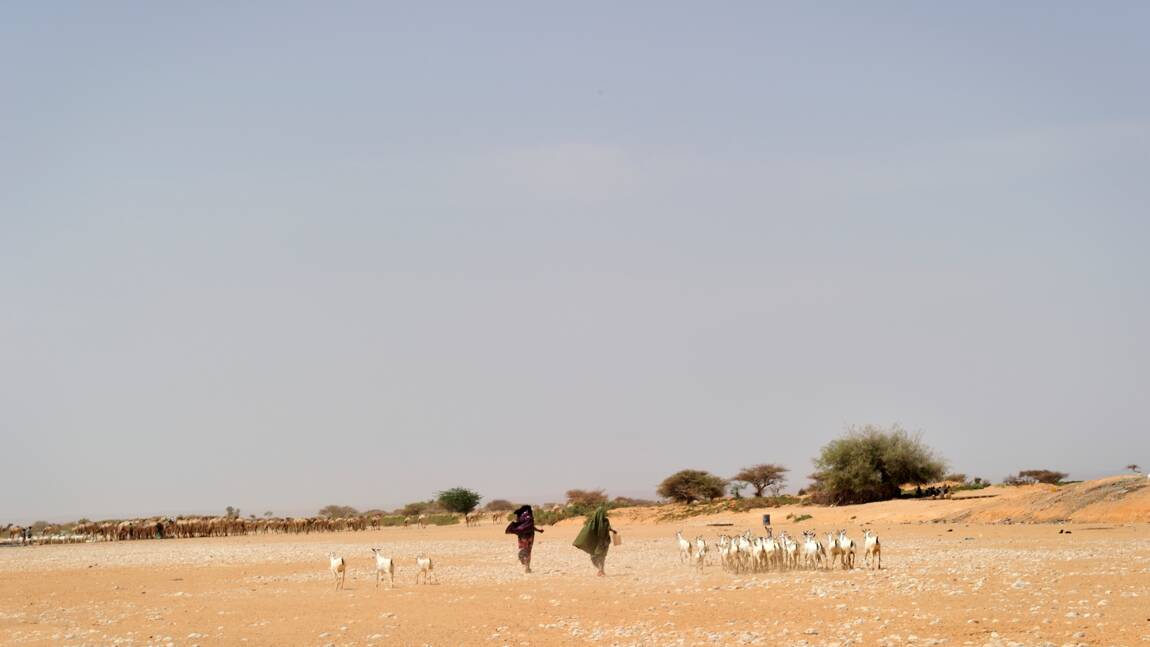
point(871, 464)
point(586, 498)
point(1028, 477)
point(763, 477)
point(628, 502)
point(336, 511)
point(415, 508)
point(459, 500)
point(688, 486)
point(499, 505)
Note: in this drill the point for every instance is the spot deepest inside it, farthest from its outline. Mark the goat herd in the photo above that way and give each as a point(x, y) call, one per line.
point(747, 553)
point(740, 554)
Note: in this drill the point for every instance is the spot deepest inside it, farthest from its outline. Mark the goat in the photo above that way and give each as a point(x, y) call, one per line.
point(834, 550)
point(425, 568)
point(813, 551)
point(383, 565)
point(422, 521)
point(700, 555)
point(848, 547)
point(338, 569)
point(684, 547)
point(871, 548)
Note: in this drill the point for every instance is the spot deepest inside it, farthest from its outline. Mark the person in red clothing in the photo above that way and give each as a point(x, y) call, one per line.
point(524, 528)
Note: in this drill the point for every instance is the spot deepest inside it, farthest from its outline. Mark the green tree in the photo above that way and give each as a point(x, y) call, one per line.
point(687, 486)
point(763, 477)
point(232, 512)
point(871, 464)
point(459, 499)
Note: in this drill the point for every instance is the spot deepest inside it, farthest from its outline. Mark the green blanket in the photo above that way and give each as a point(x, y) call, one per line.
point(595, 537)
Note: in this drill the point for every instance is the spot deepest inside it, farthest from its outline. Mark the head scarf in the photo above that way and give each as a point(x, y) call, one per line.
point(595, 536)
point(524, 523)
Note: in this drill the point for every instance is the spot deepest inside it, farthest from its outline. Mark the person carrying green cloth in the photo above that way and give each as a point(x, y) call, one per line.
point(595, 538)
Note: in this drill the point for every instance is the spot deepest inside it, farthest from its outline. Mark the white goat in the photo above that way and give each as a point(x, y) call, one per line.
point(684, 547)
point(848, 547)
point(338, 569)
point(426, 569)
point(700, 555)
point(871, 548)
point(834, 550)
point(813, 552)
point(383, 565)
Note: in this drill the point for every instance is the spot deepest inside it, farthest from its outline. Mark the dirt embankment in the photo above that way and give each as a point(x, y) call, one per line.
point(1118, 499)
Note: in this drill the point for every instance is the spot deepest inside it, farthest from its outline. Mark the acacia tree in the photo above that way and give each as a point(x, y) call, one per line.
point(1026, 477)
point(871, 464)
point(337, 511)
point(763, 477)
point(459, 499)
point(688, 486)
point(1133, 467)
point(499, 505)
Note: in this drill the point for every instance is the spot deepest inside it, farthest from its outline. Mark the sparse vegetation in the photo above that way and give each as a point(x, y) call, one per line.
point(337, 511)
point(459, 499)
point(499, 505)
point(1133, 467)
point(1028, 477)
point(688, 486)
point(871, 464)
point(586, 498)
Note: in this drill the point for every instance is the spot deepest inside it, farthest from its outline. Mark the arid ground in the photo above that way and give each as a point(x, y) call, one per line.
point(942, 583)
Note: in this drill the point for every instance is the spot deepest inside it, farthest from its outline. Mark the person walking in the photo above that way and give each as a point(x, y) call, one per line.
point(595, 538)
point(524, 528)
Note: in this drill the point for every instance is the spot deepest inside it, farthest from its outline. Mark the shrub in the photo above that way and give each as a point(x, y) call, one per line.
point(688, 486)
point(628, 502)
point(871, 464)
point(1027, 477)
point(459, 500)
point(586, 498)
point(335, 511)
point(415, 508)
point(763, 477)
point(499, 505)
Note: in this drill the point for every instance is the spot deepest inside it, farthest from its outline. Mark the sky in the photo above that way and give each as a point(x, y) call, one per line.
point(281, 255)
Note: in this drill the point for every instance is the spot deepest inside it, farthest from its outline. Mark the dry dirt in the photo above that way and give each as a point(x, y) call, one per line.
point(943, 583)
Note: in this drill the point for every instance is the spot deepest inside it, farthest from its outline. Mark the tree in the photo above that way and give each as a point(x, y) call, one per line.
point(337, 511)
point(499, 505)
point(232, 512)
point(955, 476)
point(1133, 467)
point(763, 477)
point(1040, 476)
point(459, 499)
point(415, 508)
point(871, 464)
point(688, 486)
point(586, 498)
point(268, 513)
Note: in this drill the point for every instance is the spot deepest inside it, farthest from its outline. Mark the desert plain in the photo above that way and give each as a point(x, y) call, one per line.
point(1004, 566)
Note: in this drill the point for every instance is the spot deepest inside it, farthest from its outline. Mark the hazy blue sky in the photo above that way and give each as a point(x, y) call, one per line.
point(279, 255)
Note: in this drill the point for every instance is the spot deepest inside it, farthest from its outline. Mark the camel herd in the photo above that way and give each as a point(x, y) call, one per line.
point(186, 527)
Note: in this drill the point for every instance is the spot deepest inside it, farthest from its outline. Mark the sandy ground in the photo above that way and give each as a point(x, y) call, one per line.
point(943, 584)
